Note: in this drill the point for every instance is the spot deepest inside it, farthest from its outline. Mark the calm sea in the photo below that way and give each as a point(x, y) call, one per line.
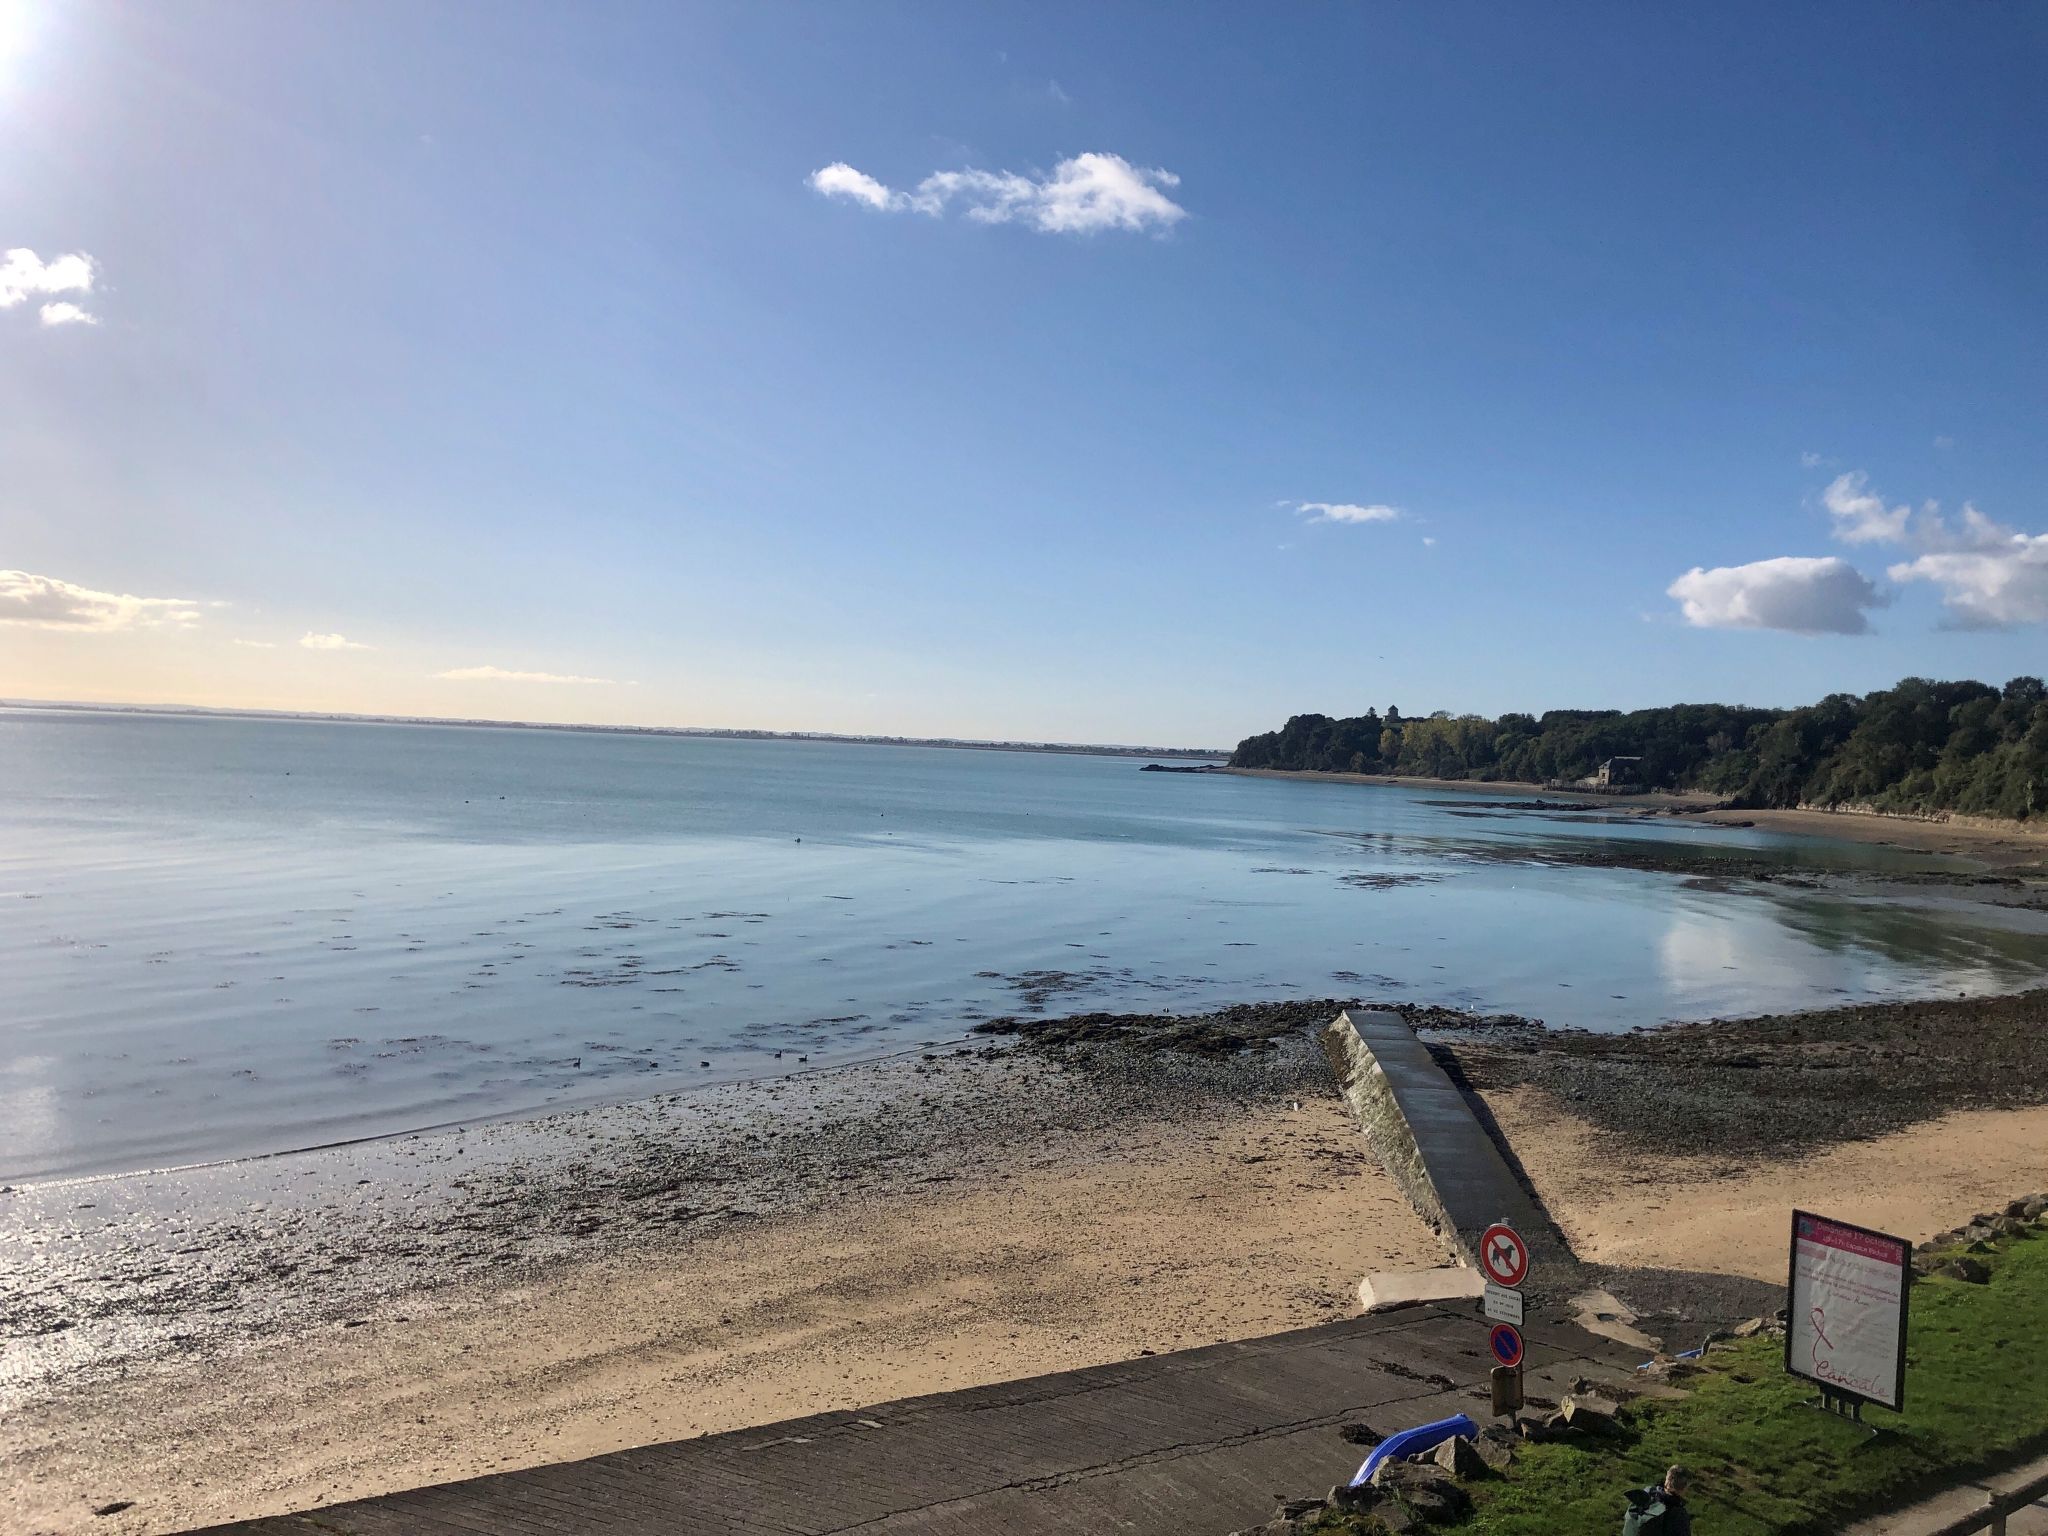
point(222, 937)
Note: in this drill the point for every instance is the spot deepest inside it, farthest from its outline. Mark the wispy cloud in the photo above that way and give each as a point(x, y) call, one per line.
point(1990, 576)
point(1805, 596)
point(44, 602)
point(313, 642)
point(23, 273)
point(841, 180)
point(506, 675)
point(1861, 517)
point(1081, 195)
point(1348, 512)
point(258, 645)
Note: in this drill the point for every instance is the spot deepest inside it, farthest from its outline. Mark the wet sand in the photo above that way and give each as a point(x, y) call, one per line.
point(530, 1294)
point(1994, 844)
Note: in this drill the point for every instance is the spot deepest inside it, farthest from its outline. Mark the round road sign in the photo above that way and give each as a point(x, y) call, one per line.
point(1506, 1343)
point(1503, 1255)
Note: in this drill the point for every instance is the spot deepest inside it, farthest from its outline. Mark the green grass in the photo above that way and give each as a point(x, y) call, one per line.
point(1976, 1394)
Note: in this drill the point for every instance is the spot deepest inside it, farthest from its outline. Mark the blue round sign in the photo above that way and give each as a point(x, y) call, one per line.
point(1506, 1343)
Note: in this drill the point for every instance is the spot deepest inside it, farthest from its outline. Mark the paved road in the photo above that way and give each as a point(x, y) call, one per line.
point(1195, 1443)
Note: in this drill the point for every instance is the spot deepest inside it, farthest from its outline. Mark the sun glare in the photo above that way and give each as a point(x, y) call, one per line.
point(17, 29)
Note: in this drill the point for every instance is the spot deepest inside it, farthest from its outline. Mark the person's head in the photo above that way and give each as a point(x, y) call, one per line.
point(1677, 1480)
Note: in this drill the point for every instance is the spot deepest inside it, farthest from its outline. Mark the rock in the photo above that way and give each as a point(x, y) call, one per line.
point(2008, 1226)
point(1978, 1245)
point(1969, 1271)
point(2033, 1209)
point(1496, 1447)
point(1294, 1509)
point(2017, 1209)
point(1748, 1329)
point(114, 1507)
point(1587, 1410)
point(1365, 1496)
point(1459, 1457)
point(1424, 1489)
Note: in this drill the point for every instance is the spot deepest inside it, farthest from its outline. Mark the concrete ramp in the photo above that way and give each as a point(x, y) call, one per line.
point(1432, 1143)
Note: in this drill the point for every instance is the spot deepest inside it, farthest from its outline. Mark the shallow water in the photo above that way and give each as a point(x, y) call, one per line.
point(223, 937)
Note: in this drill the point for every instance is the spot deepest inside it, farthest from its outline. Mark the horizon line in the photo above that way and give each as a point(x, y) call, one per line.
point(740, 733)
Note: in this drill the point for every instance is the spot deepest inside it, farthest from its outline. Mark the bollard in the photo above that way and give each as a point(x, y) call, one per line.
point(1507, 1390)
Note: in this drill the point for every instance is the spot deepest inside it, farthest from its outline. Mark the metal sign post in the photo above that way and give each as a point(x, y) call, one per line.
point(1504, 1260)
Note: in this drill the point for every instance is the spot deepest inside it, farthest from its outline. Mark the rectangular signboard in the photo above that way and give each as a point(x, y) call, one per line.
point(1845, 1320)
point(1503, 1304)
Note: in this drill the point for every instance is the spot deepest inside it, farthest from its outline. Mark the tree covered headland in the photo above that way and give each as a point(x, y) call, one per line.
point(1921, 746)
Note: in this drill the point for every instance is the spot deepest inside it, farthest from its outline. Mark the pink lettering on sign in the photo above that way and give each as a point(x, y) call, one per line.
point(1812, 1229)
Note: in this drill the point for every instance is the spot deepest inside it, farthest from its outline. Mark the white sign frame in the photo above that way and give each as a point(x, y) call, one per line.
point(1502, 1304)
point(1846, 1298)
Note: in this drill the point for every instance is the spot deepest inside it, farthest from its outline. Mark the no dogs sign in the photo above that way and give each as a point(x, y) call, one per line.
point(1503, 1255)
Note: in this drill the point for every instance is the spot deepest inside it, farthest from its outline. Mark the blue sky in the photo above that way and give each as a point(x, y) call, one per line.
point(484, 339)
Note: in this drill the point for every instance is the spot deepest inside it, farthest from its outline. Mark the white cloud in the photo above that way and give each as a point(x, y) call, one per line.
point(258, 645)
point(1812, 460)
point(1083, 194)
point(1428, 541)
point(1990, 575)
point(841, 180)
point(23, 272)
point(503, 675)
point(313, 642)
point(44, 602)
point(1807, 596)
point(1860, 517)
point(1347, 512)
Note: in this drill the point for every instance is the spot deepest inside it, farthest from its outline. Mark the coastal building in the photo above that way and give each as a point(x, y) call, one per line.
point(1618, 771)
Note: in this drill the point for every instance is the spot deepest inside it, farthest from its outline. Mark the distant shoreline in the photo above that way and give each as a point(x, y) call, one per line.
point(1994, 844)
point(961, 743)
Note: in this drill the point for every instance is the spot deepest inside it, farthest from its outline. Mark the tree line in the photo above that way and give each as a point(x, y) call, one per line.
point(1918, 747)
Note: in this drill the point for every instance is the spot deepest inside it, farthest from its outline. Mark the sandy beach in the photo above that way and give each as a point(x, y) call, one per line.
point(976, 1218)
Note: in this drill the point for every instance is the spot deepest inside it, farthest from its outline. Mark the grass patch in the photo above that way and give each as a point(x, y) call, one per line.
point(1765, 1465)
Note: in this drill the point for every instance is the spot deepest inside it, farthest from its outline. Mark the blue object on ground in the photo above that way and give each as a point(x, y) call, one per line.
point(1684, 1354)
point(1412, 1442)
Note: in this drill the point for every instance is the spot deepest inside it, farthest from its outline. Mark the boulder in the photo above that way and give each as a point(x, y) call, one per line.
point(1459, 1457)
point(2017, 1209)
point(1968, 1271)
point(1496, 1447)
point(2034, 1208)
point(1424, 1489)
point(1590, 1411)
point(1749, 1328)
